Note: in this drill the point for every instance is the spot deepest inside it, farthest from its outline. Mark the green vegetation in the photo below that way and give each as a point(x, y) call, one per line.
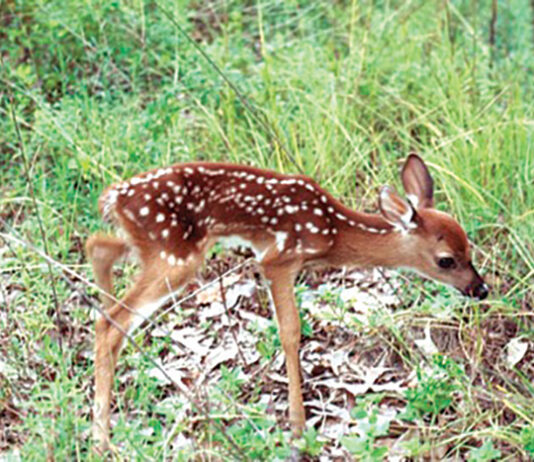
point(342, 91)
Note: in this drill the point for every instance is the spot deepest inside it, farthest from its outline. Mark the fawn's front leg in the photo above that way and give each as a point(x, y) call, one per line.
point(282, 280)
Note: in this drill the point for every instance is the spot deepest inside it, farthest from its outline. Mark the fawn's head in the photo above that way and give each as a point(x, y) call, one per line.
point(436, 244)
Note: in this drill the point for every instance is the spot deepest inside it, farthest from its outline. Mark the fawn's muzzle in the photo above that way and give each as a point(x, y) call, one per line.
point(477, 288)
point(481, 291)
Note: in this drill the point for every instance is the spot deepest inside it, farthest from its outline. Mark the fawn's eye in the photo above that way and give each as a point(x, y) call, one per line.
point(446, 262)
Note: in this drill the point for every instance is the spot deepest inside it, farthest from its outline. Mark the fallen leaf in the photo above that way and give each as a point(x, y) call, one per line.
point(426, 345)
point(220, 355)
point(172, 372)
point(214, 310)
point(213, 293)
point(191, 339)
point(515, 351)
point(261, 322)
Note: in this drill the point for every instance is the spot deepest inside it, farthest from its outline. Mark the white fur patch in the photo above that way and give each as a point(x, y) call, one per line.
point(413, 199)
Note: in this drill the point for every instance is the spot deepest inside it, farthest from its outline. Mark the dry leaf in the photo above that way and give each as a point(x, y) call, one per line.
point(515, 351)
point(191, 339)
point(426, 345)
point(173, 372)
point(220, 355)
point(213, 293)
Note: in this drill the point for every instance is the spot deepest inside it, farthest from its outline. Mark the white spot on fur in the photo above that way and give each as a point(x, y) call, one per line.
point(137, 180)
point(312, 228)
point(291, 208)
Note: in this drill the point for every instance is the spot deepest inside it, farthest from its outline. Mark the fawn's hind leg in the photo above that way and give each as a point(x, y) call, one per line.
point(103, 251)
point(155, 286)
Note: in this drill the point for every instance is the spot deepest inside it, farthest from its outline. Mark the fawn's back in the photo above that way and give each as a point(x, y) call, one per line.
point(177, 209)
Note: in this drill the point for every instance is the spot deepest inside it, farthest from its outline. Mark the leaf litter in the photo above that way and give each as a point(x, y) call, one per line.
point(347, 353)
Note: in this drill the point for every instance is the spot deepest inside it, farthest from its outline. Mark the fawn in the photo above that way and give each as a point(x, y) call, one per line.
point(172, 216)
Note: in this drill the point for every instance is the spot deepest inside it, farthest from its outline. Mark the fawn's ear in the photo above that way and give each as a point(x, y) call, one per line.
point(395, 209)
point(417, 182)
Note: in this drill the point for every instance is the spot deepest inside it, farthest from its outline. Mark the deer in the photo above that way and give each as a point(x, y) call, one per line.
point(172, 216)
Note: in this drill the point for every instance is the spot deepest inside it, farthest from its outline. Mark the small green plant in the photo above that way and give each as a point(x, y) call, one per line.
point(484, 453)
point(370, 427)
point(415, 447)
point(258, 437)
point(434, 390)
point(527, 439)
point(309, 443)
point(332, 298)
point(231, 380)
point(269, 341)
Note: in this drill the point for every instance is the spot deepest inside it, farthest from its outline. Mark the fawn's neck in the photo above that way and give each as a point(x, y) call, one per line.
point(371, 242)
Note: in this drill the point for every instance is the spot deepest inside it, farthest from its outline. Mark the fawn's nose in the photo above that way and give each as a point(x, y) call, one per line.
point(481, 291)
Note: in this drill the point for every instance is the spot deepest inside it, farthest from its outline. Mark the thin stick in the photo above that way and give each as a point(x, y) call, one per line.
point(59, 321)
